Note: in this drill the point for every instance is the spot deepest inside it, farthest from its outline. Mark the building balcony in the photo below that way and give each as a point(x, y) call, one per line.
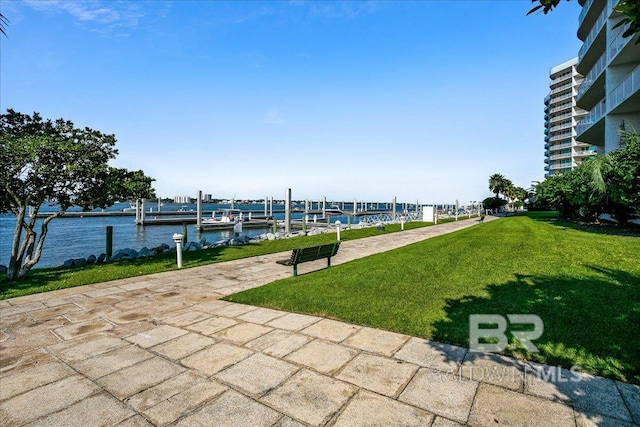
point(558, 166)
point(563, 107)
point(595, 81)
point(590, 12)
point(561, 146)
point(594, 43)
point(591, 128)
point(546, 167)
point(546, 160)
point(559, 117)
point(561, 98)
point(561, 88)
point(626, 97)
point(561, 127)
point(546, 146)
point(560, 137)
point(623, 50)
point(585, 153)
point(594, 115)
point(561, 156)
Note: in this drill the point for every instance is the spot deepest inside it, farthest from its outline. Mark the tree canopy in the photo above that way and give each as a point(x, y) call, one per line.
point(53, 161)
point(629, 8)
point(605, 184)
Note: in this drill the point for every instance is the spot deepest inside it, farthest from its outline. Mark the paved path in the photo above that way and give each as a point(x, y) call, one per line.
point(163, 349)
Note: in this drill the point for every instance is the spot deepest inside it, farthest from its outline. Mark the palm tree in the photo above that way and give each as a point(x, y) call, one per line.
point(497, 183)
point(508, 190)
point(3, 24)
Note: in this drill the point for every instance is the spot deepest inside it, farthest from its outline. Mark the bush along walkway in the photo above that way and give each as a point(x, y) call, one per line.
point(163, 349)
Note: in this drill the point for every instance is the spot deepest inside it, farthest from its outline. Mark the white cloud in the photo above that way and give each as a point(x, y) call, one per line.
point(108, 14)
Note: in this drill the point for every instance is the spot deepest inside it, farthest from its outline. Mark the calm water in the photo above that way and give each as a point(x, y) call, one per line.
point(81, 237)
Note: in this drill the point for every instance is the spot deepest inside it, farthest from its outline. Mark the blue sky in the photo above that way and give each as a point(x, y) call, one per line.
point(369, 100)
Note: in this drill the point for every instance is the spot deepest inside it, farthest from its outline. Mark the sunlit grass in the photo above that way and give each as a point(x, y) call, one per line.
point(584, 285)
point(48, 279)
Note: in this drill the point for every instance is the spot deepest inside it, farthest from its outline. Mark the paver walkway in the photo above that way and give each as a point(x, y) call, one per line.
point(164, 350)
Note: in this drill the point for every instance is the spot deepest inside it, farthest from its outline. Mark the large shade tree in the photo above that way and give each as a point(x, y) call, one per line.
point(43, 161)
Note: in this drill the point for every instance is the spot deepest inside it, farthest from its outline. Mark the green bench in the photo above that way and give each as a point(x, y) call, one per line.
point(311, 253)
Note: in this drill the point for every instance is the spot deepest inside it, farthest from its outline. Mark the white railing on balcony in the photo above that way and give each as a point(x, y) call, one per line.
point(561, 88)
point(583, 153)
point(617, 44)
point(561, 146)
point(593, 74)
point(562, 165)
point(629, 86)
point(561, 98)
point(593, 116)
point(560, 117)
point(561, 107)
point(560, 127)
point(560, 156)
point(595, 30)
point(559, 137)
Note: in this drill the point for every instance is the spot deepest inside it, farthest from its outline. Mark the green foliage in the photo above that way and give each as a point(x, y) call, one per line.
point(44, 160)
point(497, 183)
point(493, 203)
point(606, 184)
point(629, 8)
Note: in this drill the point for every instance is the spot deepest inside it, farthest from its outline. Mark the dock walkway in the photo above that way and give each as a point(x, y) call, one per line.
point(163, 349)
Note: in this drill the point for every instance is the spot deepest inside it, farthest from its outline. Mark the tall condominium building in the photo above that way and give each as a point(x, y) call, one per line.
point(181, 199)
point(561, 115)
point(610, 63)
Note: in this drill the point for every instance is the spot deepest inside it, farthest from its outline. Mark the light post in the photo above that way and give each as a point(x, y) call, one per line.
point(338, 226)
point(177, 238)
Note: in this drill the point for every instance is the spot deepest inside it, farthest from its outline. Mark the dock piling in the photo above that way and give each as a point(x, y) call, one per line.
point(109, 242)
point(287, 211)
point(199, 211)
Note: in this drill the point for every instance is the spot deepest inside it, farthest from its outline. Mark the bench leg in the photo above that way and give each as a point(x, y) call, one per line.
point(295, 270)
point(328, 262)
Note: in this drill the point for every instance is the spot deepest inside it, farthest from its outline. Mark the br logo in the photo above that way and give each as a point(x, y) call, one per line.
point(524, 337)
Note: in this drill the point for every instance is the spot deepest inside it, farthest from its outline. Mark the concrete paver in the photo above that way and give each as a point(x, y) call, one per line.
point(380, 374)
point(309, 397)
point(257, 374)
point(183, 346)
point(232, 409)
point(164, 350)
point(429, 354)
point(444, 394)
point(500, 406)
point(324, 357)
point(367, 406)
point(376, 341)
point(331, 330)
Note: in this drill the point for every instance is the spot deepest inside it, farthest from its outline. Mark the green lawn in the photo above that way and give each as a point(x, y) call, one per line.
point(585, 285)
point(48, 279)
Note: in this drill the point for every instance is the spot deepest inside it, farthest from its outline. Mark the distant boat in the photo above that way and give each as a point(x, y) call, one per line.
point(229, 216)
point(131, 208)
point(334, 210)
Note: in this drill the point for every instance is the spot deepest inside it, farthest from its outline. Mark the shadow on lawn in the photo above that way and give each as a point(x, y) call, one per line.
point(606, 228)
point(590, 322)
